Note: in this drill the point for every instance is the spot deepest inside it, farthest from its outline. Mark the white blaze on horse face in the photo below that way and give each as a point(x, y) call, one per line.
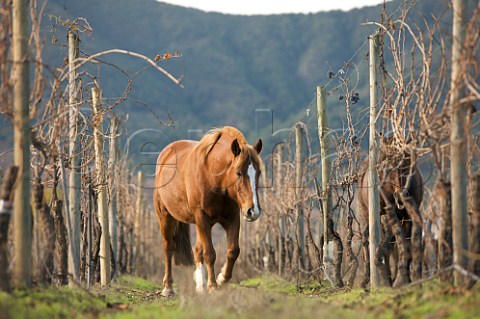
point(256, 208)
point(200, 280)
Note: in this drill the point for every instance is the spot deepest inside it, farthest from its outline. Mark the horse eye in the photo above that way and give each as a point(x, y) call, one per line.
point(239, 174)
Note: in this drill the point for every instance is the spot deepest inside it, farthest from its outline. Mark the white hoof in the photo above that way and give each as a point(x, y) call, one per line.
point(201, 290)
point(221, 280)
point(167, 292)
point(199, 277)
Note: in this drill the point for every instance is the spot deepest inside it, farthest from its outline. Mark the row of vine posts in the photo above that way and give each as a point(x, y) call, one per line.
point(87, 218)
point(412, 111)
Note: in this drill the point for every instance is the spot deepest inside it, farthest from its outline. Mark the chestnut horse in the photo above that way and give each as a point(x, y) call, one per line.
point(204, 183)
point(401, 194)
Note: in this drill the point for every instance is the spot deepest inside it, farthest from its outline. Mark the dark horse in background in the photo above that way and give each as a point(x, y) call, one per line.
point(401, 193)
point(204, 183)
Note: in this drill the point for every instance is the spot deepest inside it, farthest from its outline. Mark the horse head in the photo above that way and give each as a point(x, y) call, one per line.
point(245, 170)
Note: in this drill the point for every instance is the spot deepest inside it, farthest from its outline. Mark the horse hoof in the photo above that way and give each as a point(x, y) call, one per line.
point(200, 290)
point(399, 282)
point(221, 280)
point(167, 292)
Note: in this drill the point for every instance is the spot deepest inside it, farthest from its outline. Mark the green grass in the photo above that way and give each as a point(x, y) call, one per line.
point(49, 303)
point(260, 297)
point(430, 300)
point(270, 283)
point(66, 302)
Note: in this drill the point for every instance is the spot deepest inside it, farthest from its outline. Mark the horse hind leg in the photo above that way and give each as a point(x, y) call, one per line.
point(166, 227)
point(233, 251)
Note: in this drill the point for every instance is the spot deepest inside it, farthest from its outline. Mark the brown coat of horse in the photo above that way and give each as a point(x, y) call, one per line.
point(395, 190)
point(204, 183)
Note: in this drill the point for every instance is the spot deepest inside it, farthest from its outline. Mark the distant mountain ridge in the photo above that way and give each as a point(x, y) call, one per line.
point(232, 65)
point(231, 62)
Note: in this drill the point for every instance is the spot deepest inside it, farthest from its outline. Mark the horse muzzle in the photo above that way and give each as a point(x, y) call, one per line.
point(398, 201)
point(251, 214)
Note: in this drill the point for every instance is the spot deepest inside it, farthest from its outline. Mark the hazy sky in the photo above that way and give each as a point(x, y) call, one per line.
point(272, 6)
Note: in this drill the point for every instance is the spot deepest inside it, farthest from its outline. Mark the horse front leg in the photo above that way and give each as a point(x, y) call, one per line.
point(403, 263)
point(413, 230)
point(204, 236)
point(382, 256)
point(233, 250)
point(200, 272)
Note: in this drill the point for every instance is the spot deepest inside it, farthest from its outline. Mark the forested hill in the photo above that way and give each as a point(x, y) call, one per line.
point(232, 64)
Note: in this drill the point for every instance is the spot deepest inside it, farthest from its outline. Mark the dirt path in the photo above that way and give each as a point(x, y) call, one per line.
point(272, 297)
point(261, 297)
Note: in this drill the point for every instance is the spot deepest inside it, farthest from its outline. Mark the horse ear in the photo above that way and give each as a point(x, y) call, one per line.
point(235, 148)
point(258, 146)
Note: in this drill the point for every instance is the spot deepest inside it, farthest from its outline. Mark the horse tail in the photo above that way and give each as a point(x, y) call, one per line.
point(182, 252)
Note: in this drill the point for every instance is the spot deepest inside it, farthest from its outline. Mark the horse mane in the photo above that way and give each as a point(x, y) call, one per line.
point(212, 137)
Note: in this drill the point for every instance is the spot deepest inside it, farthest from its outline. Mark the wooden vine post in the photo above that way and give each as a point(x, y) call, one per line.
point(136, 255)
point(458, 145)
point(268, 260)
point(101, 186)
point(373, 181)
point(113, 163)
point(22, 271)
point(299, 163)
point(326, 165)
point(74, 177)
point(281, 219)
point(244, 239)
